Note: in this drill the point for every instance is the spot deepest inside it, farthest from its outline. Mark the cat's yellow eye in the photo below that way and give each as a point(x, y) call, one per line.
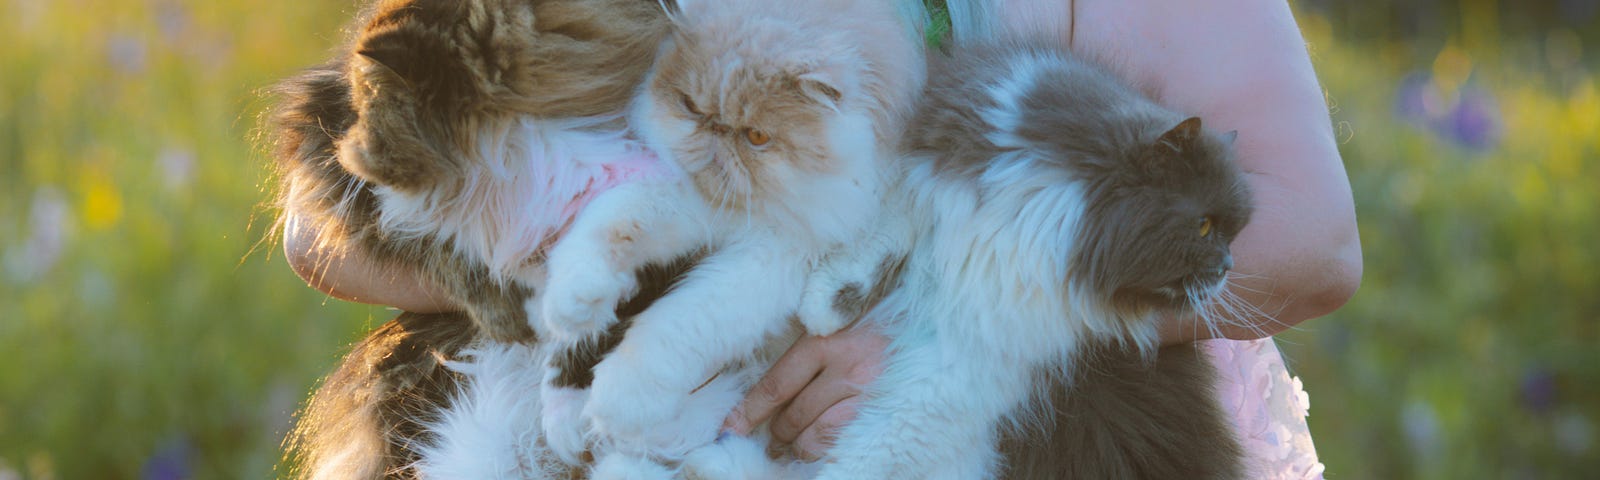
point(1205, 225)
point(756, 137)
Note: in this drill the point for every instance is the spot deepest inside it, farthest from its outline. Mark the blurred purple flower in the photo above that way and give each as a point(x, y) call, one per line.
point(127, 53)
point(1470, 117)
point(49, 226)
point(173, 19)
point(1411, 103)
point(170, 462)
point(1538, 391)
point(1475, 120)
point(177, 168)
point(1420, 423)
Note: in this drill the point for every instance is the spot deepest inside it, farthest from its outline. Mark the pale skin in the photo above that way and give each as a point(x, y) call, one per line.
point(1239, 64)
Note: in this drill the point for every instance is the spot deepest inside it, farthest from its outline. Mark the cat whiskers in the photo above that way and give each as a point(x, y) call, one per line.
point(1258, 312)
point(1204, 311)
point(1226, 307)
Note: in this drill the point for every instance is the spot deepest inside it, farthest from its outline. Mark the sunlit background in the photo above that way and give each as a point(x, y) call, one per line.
point(146, 332)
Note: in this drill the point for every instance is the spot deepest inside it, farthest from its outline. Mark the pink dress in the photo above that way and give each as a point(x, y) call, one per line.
point(1268, 408)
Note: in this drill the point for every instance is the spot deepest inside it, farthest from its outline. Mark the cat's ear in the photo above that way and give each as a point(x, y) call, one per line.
point(390, 56)
point(821, 87)
point(1228, 138)
point(1182, 136)
point(675, 7)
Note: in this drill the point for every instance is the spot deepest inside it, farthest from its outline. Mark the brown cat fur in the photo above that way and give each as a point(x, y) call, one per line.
point(406, 103)
point(418, 80)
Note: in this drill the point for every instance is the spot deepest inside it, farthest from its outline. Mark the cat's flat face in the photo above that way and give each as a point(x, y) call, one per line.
point(1157, 225)
point(429, 77)
point(745, 114)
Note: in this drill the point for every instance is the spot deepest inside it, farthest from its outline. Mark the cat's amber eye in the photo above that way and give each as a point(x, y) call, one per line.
point(1205, 225)
point(756, 137)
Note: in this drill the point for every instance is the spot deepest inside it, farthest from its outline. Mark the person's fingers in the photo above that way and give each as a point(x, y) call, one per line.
point(827, 389)
point(791, 373)
point(815, 441)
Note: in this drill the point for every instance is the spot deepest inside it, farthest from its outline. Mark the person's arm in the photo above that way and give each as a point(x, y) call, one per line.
point(1239, 64)
point(352, 275)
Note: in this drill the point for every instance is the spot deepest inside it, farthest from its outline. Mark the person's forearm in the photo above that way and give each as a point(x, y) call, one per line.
point(352, 275)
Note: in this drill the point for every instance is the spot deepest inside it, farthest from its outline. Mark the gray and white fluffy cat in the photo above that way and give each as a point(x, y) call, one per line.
point(1053, 216)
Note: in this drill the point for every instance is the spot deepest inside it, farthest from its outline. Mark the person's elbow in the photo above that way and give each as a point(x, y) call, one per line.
point(300, 250)
point(1330, 275)
point(1341, 275)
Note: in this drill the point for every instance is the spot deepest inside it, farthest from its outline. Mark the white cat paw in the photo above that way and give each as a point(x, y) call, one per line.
point(625, 406)
point(577, 304)
point(732, 457)
point(819, 316)
point(821, 311)
point(563, 423)
point(618, 466)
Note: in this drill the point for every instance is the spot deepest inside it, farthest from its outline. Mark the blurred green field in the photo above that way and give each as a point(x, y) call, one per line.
point(149, 334)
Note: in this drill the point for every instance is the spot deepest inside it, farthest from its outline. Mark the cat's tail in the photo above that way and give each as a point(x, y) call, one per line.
point(1124, 416)
point(369, 417)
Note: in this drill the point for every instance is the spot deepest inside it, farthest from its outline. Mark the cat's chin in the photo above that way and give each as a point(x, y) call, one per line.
point(1189, 297)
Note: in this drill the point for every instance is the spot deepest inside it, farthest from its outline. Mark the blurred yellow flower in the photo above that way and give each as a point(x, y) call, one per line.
point(102, 201)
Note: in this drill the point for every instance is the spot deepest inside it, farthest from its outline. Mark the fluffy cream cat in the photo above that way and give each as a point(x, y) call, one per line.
point(781, 117)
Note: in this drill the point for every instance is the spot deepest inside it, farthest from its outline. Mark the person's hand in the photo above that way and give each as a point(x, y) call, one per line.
point(812, 390)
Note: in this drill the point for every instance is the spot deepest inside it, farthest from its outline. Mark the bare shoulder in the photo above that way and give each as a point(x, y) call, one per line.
point(1242, 64)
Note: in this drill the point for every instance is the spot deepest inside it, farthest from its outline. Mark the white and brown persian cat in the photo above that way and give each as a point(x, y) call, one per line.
point(1055, 215)
point(783, 118)
point(453, 138)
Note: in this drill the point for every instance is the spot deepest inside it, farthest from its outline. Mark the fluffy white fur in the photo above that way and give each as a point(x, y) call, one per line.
point(504, 215)
point(565, 430)
point(736, 458)
point(975, 315)
point(491, 430)
point(649, 398)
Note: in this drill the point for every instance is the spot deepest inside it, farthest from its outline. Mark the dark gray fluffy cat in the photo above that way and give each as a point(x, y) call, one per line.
point(1055, 216)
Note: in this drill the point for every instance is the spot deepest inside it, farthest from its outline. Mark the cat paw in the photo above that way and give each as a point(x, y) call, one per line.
point(618, 466)
point(829, 304)
point(627, 407)
point(577, 304)
point(819, 317)
point(565, 431)
point(732, 457)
